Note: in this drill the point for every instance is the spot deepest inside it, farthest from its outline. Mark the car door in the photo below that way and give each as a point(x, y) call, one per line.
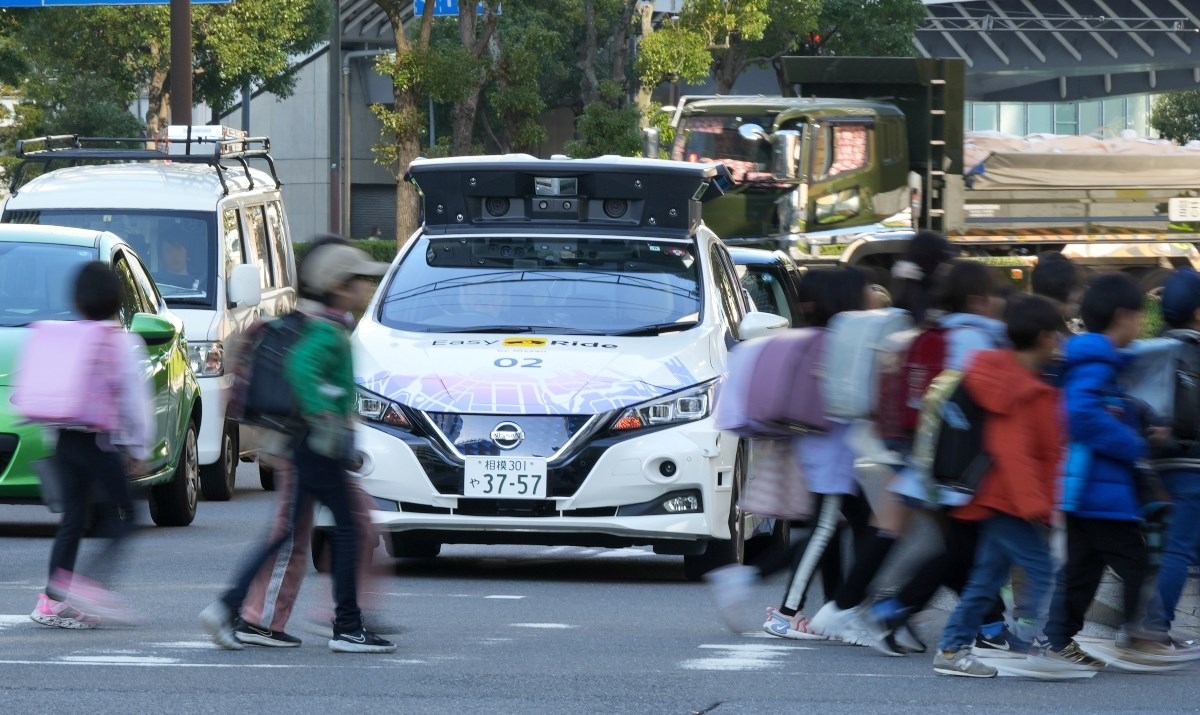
point(732, 304)
point(134, 300)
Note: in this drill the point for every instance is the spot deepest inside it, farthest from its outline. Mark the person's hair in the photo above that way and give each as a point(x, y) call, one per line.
point(1054, 276)
point(1027, 317)
point(1107, 294)
point(98, 292)
point(826, 292)
point(929, 251)
point(965, 280)
point(323, 239)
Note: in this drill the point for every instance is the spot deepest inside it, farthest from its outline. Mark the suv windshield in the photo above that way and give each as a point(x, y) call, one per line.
point(36, 281)
point(591, 286)
point(177, 246)
point(707, 138)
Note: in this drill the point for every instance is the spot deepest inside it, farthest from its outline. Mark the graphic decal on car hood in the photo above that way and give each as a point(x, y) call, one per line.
point(533, 374)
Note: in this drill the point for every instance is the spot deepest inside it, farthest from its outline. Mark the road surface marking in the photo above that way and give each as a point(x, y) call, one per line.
point(6, 621)
point(119, 659)
point(741, 657)
point(550, 626)
point(505, 598)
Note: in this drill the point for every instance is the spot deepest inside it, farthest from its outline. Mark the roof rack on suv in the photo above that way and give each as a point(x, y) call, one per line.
point(209, 145)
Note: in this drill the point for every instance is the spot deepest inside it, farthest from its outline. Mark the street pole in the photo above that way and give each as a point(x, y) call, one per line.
point(181, 62)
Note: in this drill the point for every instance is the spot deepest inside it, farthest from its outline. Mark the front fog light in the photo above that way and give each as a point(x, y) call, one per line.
point(682, 504)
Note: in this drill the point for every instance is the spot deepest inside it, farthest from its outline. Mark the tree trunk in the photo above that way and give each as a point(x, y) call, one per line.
point(645, 90)
point(588, 85)
point(465, 110)
point(621, 43)
point(158, 103)
point(731, 65)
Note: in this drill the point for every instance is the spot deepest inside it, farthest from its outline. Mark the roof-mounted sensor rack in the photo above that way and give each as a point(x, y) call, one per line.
point(209, 145)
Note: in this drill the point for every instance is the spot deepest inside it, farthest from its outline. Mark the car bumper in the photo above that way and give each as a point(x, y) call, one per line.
point(617, 503)
point(20, 446)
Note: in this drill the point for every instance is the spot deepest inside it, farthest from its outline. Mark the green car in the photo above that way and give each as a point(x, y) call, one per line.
point(37, 269)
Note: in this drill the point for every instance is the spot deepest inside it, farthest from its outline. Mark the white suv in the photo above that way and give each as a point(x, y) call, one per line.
point(212, 231)
point(540, 362)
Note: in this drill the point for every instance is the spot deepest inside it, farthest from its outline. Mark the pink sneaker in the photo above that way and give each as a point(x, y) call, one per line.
point(795, 627)
point(59, 614)
point(93, 597)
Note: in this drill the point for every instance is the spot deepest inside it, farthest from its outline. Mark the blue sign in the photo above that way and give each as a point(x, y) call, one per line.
point(441, 8)
point(76, 3)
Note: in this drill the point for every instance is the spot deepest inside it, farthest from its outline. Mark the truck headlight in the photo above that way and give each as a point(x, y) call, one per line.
point(207, 358)
point(687, 406)
point(374, 408)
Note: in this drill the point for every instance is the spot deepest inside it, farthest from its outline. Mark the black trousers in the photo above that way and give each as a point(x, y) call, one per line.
point(950, 567)
point(1093, 544)
point(93, 473)
point(324, 480)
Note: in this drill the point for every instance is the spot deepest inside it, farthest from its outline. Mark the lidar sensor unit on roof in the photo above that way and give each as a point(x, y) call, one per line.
point(555, 186)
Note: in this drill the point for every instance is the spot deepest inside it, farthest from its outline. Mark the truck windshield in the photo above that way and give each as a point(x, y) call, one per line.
point(177, 246)
point(587, 286)
point(707, 138)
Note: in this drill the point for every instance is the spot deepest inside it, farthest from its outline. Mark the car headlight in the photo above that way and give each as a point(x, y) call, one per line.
point(207, 358)
point(687, 406)
point(374, 408)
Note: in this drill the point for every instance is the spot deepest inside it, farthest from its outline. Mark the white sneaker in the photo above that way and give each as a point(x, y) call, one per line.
point(218, 621)
point(832, 621)
point(731, 589)
point(795, 627)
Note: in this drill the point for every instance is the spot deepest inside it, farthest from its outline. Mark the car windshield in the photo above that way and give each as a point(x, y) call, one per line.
point(587, 286)
point(706, 138)
point(177, 246)
point(36, 281)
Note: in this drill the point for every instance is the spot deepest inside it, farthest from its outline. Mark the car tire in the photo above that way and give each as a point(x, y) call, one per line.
point(724, 551)
point(400, 546)
point(174, 503)
point(266, 477)
point(320, 550)
point(217, 479)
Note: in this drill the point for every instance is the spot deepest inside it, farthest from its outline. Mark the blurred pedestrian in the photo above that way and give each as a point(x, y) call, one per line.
point(320, 370)
point(1057, 278)
point(101, 442)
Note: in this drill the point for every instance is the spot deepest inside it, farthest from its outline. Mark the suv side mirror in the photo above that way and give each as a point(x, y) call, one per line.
point(650, 143)
point(785, 154)
point(245, 288)
point(153, 329)
point(760, 325)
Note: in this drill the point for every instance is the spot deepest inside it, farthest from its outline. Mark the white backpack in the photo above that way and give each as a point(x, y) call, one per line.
point(850, 374)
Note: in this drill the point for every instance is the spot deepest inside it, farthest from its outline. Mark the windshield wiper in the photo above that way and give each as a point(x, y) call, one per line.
point(495, 329)
point(657, 328)
point(191, 300)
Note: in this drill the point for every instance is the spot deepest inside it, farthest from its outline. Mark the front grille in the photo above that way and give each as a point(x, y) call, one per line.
point(561, 481)
point(8, 448)
point(471, 435)
point(506, 507)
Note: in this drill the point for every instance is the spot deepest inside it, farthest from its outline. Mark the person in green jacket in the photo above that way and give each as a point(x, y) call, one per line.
point(320, 370)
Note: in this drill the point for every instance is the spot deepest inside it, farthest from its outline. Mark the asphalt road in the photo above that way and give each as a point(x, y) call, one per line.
point(481, 630)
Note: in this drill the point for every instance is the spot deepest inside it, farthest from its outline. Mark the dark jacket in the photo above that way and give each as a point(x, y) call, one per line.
point(1104, 433)
point(1176, 454)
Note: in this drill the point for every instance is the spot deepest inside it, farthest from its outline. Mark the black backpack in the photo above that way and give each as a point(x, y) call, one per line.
point(960, 460)
point(262, 395)
point(1185, 425)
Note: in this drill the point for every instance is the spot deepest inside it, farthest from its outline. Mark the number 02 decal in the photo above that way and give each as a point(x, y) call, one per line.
point(514, 362)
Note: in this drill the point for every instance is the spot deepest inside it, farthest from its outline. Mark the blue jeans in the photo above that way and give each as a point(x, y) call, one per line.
point(1003, 541)
point(1179, 551)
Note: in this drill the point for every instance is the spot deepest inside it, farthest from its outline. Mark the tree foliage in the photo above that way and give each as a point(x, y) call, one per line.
point(607, 126)
point(1176, 116)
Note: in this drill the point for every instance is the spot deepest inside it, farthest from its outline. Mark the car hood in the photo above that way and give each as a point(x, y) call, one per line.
point(11, 340)
point(527, 374)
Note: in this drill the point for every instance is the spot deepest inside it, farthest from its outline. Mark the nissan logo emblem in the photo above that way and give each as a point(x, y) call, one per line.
point(507, 435)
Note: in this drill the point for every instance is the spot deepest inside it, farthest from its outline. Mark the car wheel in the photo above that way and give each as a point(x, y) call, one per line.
point(724, 551)
point(174, 503)
point(266, 477)
point(407, 547)
point(217, 479)
point(321, 557)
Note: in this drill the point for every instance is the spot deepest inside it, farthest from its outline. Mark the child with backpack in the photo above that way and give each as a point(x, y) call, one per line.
point(1014, 501)
point(320, 372)
point(1099, 493)
point(1177, 459)
point(105, 429)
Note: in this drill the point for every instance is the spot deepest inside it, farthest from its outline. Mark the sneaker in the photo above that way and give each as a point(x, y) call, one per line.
point(855, 631)
point(796, 627)
point(59, 614)
point(257, 635)
point(1147, 651)
point(218, 621)
point(1003, 645)
point(731, 589)
point(878, 635)
point(1072, 654)
point(907, 639)
point(832, 622)
point(359, 640)
point(962, 663)
point(92, 597)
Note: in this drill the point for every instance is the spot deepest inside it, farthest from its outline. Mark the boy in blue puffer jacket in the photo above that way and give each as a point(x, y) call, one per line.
point(1099, 493)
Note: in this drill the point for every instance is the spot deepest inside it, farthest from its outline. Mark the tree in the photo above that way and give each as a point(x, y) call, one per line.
point(127, 50)
point(475, 73)
point(607, 126)
point(1176, 116)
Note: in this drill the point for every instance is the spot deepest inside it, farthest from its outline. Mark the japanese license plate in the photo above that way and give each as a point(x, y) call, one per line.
point(1183, 209)
point(505, 477)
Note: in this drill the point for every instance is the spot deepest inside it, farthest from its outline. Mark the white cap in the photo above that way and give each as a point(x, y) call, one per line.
point(331, 265)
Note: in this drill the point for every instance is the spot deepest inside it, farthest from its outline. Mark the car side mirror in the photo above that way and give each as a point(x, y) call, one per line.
point(153, 329)
point(760, 325)
point(245, 288)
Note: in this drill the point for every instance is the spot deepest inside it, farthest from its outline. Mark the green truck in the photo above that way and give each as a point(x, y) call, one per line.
point(867, 150)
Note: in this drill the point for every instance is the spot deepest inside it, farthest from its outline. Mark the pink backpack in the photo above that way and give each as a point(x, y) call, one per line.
point(774, 388)
point(65, 377)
